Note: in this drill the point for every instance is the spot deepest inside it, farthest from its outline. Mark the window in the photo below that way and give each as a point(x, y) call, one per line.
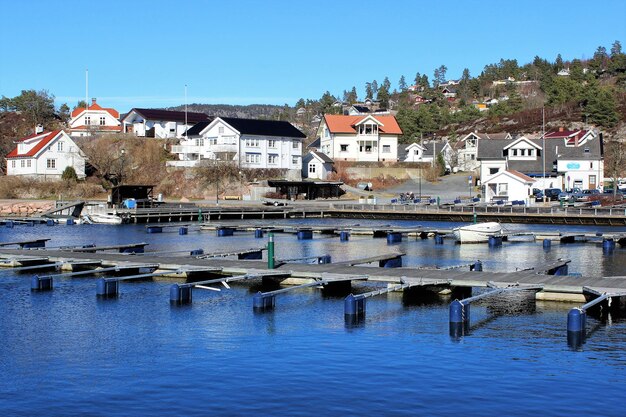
point(252, 143)
point(272, 159)
point(51, 163)
point(493, 171)
point(522, 152)
point(503, 188)
point(87, 120)
point(386, 148)
point(60, 146)
point(514, 152)
point(294, 144)
point(22, 163)
point(253, 158)
point(28, 163)
point(294, 160)
point(586, 150)
point(531, 152)
point(590, 165)
point(344, 148)
point(472, 157)
point(311, 168)
point(415, 151)
point(326, 132)
point(271, 143)
point(200, 142)
point(102, 120)
point(220, 129)
point(12, 164)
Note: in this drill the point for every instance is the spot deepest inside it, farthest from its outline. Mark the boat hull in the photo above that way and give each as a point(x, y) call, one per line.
point(96, 218)
point(476, 233)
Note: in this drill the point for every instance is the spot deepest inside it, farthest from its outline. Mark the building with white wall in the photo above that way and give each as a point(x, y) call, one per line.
point(160, 124)
point(360, 137)
point(94, 120)
point(467, 148)
point(249, 143)
point(316, 165)
point(45, 155)
point(558, 161)
point(508, 185)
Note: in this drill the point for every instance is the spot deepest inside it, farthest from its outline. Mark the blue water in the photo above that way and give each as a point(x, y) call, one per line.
point(66, 352)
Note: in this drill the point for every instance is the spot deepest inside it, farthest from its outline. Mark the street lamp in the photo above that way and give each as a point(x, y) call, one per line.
point(122, 158)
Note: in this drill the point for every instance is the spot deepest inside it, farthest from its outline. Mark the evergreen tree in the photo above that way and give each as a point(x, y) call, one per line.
point(601, 107)
point(558, 63)
point(36, 106)
point(326, 103)
point(64, 112)
point(418, 79)
point(369, 93)
point(374, 88)
point(402, 84)
point(616, 49)
point(387, 84)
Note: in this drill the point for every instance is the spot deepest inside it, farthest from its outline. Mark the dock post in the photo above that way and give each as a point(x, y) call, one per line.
point(495, 241)
point(475, 216)
point(41, 284)
point(9, 224)
point(181, 294)
point(344, 236)
point(438, 239)
point(305, 234)
point(608, 245)
point(263, 303)
point(353, 308)
point(394, 237)
point(258, 233)
point(154, 229)
point(199, 215)
point(30, 223)
point(196, 252)
point(476, 266)
point(547, 243)
point(459, 318)
point(183, 230)
point(108, 287)
point(270, 251)
point(576, 324)
point(49, 222)
point(225, 231)
point(70, 221)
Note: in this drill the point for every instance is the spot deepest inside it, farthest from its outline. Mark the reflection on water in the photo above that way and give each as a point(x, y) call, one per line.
point(137, 355)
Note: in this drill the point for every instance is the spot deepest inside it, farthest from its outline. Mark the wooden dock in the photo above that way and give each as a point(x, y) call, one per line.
point(554, 287)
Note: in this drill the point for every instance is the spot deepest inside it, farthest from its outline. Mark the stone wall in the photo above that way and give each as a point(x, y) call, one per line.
point(375, 172)
point(24, 208)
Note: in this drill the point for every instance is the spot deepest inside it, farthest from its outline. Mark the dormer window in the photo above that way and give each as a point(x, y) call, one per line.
point(586, 150)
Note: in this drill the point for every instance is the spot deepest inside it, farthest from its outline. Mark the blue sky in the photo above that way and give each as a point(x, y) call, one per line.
point(142, 53)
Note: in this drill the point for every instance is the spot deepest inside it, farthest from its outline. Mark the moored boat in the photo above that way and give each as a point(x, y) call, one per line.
point(101, 218)
point(476, 233)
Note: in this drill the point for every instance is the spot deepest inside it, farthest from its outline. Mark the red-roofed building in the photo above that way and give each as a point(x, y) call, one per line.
point(45, 155)
point(94, 120)
point(572, 138)
point(359, 138)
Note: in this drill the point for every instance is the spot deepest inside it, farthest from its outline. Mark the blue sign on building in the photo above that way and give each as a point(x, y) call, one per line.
point(573, 165)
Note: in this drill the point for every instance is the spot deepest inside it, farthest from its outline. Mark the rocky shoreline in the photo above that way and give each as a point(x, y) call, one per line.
point(9, 208)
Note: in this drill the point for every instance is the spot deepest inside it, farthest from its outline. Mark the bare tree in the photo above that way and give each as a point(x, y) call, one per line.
point(217, 174)
point(615, 161)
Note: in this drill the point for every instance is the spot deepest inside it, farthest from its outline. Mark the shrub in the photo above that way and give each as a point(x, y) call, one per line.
point(69, 174)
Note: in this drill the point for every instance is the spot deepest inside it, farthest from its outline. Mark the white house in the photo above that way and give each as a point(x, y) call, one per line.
point(316, 165)
point(563, 159)
point(248, 142)
point(94, 120)
point(359, 137)
point(508, 185)
point(467, 148)
point(45, 155)
point(161, 124)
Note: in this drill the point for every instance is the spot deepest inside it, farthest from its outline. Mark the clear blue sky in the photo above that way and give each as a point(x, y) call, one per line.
point(142, 53)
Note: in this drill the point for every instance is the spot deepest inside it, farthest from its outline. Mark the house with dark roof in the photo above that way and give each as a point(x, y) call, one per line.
point(359, 138)
point(316, 165)
point(161, 124)
point(427, 151)
point(467, 148)
point(356, 109)
point(554, 162)
point(250, 143)
point(94, 120)
point(45, 155)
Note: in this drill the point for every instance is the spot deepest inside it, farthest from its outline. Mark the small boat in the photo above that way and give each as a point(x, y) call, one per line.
point(476, 233)
point(101, 218)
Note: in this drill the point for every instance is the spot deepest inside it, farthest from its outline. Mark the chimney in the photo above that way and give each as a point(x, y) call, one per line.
point(93, 101)
point(38, 129)
point(561, 129)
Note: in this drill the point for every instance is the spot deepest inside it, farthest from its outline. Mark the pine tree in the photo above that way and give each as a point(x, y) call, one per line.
point(402, 83)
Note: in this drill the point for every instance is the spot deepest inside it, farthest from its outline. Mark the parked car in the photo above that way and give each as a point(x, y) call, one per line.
point(584, 195)
point(537, 194)
point(569, 195)
point(552, 194)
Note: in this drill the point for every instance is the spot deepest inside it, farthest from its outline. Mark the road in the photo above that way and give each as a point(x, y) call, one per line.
point(448, 187)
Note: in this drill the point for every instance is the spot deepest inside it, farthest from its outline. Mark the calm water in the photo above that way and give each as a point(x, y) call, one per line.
point(67, 353)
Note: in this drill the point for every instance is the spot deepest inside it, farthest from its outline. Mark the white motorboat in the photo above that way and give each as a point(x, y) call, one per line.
point(476, 233)
point(101, 218)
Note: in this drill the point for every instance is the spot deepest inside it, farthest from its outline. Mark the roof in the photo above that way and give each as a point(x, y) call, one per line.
point(196, 129)
point(95, 107)
point(512, 173)
point(264, 127)
point(46, 138)
point(520, 175)
point(169, 115)
point(315, 144)
point(361, 109)
point(565, 134)
point(345, 124)
point(323, 157)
